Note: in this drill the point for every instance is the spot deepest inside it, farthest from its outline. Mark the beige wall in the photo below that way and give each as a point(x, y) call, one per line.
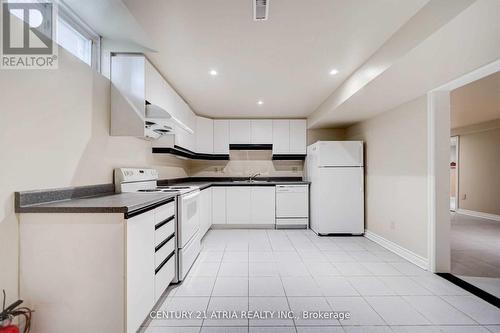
point(396, 174)
point(325, 134)
point(54, 127)
point(479, 161)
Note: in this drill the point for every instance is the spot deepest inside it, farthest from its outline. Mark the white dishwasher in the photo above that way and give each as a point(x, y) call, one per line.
point(292, 206)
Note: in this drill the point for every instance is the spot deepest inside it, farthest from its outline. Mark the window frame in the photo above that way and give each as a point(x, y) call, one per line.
point(69, 17)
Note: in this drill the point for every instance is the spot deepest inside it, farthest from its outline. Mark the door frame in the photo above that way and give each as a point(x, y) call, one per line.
point(455, 139)
point(438, 169)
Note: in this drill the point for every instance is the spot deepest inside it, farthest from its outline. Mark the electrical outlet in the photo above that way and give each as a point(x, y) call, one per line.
point(393, 225)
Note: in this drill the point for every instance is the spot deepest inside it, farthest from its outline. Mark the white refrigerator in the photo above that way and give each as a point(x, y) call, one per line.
point(335, 170)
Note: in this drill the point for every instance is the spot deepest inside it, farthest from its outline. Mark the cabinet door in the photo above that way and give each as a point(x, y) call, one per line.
point(262, 131)
point(204, 135)
point(205, 210)
point(298, 131)
point(263, 205)
point(221, 136)
point(238, 205)
point(219, 205)
point(239, 131)
point(140, 268)
point(281, 136)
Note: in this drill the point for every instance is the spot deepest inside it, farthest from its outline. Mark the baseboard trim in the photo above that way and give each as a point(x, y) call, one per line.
point(399, 250)
point(473, 213)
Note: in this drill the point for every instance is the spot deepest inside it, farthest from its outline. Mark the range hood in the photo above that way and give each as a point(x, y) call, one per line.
point(155, 113)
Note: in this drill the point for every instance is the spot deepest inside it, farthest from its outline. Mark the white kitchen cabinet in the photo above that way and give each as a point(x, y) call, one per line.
point(298, 131)
point(140, 268)
point(219, 205)
point(221, 136)
point(240, 131)
point(204, 135)
point(205, 210)
point(238, 204)
point(281, 136)
point(262, 131)
point(262, 204)
point(289, 136)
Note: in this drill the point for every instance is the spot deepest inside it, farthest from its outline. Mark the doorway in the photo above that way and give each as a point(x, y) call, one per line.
point(464, 229)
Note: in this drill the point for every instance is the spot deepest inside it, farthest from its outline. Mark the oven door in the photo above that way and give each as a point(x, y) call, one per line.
point(189, 222)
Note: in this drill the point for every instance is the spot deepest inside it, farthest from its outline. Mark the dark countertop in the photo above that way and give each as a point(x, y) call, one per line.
point(206, 184)
point(111, 203)
point(101, 199)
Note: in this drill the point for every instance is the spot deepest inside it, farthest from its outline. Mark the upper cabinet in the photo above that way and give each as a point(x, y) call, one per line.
point(261, 131)
point(289, 136)
point(298, 136)
point(255, 131)
point(221, 136)
point(281, 136)
point(204, 135)
point(240, 131)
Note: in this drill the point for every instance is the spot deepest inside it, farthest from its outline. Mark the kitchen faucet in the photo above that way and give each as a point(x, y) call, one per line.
point(251, 178)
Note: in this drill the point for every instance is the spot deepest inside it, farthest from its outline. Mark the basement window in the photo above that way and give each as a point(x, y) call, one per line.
point(78, 38)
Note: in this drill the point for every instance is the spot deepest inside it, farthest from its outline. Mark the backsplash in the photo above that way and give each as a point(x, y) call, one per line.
point(243, 163)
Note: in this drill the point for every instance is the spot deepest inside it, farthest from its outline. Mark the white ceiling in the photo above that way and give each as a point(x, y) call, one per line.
point(476, 102)
point(284, 61)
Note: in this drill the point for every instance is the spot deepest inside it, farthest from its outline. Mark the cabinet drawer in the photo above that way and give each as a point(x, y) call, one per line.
point(165, 250)
point(164, 230)
point(164, 276)
point(164, 212)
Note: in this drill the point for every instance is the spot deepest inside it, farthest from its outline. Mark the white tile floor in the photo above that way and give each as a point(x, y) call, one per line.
point(295, 270)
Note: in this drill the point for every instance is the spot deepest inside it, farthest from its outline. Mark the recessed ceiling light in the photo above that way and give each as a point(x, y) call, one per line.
point(334, 71)
point(213, 72)
point(260, 102)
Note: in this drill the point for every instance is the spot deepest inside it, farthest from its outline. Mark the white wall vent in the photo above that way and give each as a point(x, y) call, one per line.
point(260, 10)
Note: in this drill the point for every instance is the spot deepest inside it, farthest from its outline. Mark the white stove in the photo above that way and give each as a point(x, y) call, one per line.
point(145, 181)
point(188, 225)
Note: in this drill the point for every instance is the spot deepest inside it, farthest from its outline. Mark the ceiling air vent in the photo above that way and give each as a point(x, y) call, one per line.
point(260, 10)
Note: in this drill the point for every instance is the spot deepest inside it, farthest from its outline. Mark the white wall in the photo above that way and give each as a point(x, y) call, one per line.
point(396, 174)
point(479, 179)
point(54, 132)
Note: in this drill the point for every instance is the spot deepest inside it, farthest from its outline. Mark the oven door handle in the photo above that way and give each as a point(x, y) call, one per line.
point(190, 196)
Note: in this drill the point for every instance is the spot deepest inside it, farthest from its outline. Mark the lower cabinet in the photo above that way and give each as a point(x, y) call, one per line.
point(218, 205)
point(263, 208)
point(140, 268)
point(244, 205)
point(108, 269)
point(238, 205)
point(150, 256)
point(205, 210)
